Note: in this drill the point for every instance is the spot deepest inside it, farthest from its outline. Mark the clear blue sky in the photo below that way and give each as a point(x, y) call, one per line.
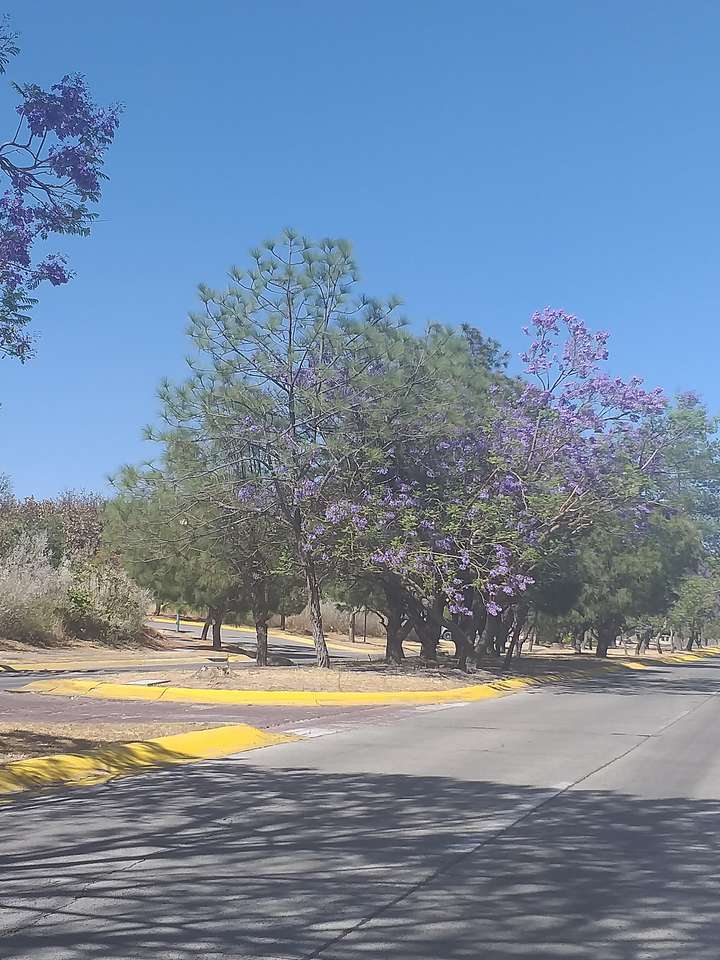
point(485, 158)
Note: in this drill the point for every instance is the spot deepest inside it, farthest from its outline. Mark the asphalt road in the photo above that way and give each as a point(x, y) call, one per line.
point(579, 821)
point(279, 645)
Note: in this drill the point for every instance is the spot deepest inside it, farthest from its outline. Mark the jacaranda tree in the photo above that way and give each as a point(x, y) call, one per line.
point(51, 164)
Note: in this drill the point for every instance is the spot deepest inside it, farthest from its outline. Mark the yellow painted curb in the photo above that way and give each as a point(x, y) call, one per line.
point(127, 759)
point(289, 698)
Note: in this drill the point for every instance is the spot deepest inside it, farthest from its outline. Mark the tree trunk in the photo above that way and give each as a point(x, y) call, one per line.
point(643, 641)
point(504, 622)
point(158, 608)
point(518, 623)
point(216, 628)
point(510, 649)
point(527, 636)
point(351, 626)
point(206, 627)
point(283, 621)
point(393, 645)
point(463, 648)
point(480, 618)
point(486, 642)
point(313, 595)
point(606, 636)
point(261, 633)
point(428, 635)
point(394, 613)
point(428, 644)
point(428, 626)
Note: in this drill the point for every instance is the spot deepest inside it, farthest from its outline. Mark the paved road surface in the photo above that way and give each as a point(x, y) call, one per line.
point(301, 653)
point(574, 822)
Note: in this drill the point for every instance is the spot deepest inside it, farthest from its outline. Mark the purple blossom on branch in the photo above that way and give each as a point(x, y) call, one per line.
point(53, 169)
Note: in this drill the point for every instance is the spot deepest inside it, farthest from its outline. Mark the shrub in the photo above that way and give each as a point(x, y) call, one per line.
point(30, 590)
point(103, 603)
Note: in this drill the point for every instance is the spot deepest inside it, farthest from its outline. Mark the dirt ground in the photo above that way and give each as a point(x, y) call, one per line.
point(39, 739)
point(348, 676)
point(358, 675)
point(151, 640)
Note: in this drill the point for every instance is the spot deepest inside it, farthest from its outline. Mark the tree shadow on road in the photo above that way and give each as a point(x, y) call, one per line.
point(701, 677)
point(234, 860)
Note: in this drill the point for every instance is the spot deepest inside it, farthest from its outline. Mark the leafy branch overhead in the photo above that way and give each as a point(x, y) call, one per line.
point(51, 167)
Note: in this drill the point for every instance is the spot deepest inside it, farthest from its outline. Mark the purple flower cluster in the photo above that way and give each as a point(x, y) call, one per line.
point(82, 131)
point(502, 583)
point(343, 510)
point(18, 229)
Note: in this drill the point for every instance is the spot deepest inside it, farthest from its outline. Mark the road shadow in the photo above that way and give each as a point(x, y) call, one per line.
point(700, 677)
point(231, 860)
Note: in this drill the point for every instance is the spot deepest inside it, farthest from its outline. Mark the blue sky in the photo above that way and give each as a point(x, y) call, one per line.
point(485, 158)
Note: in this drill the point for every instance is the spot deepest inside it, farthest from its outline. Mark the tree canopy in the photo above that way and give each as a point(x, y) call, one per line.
point(51, 168)
point(320, 440)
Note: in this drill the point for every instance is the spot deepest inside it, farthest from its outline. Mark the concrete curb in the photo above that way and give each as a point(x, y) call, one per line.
point(128, 759)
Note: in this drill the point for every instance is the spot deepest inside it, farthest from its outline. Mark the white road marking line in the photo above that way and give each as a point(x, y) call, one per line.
point(432, 707)
point(311, 732)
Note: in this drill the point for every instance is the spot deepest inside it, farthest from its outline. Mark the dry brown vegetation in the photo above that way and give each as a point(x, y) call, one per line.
point(37, 738)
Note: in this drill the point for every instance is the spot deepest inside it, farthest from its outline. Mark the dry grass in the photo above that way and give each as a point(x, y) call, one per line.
point(359, 675)
point(38, 738)
point(150, 640)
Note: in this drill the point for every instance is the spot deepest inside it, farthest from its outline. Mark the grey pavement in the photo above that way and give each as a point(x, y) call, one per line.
point(579, 821)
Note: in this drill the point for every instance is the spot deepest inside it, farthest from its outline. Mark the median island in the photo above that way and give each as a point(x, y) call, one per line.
point(346, 676)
